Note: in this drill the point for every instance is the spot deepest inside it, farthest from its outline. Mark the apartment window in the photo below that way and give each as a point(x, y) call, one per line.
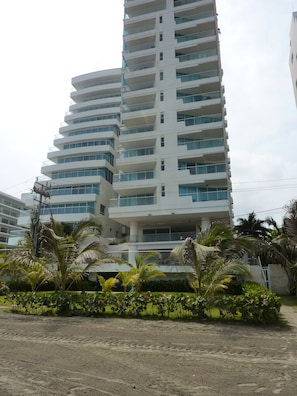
point(161, 96)
point(162, 165)
point(161, 76)
point(160, 19)
point(162, 118)
point(161, 56)
point(102, 209)
point(163, 191)
point(161, 37)
point(162, 141)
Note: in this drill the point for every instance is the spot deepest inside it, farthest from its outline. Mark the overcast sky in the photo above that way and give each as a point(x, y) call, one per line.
point(46, 43)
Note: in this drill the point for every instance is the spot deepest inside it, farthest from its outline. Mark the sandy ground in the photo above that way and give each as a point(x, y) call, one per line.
point(88, 356)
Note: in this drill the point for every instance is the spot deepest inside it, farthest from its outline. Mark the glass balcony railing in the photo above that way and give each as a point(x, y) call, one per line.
point(202, 144)
point(136, 200)
point(204, 169)
point(136, 152)
point(143, 11)
point(174, 236)
point(137, 130)
point(217, 195)
point(193, 17)
point(194, 36)
point(182, 2)
point(133, 176)
point(137, 48)
point(139, 66)
point(138, 87)
point(189, 121)
point(198, 97)
point(139, 29)
point(197, 76)
point(197, 55)
point(138, 107)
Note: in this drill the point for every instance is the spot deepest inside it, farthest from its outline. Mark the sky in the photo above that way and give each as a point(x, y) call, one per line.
point(46, 43)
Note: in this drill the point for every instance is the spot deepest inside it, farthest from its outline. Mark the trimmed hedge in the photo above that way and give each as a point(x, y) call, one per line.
point(253, 306)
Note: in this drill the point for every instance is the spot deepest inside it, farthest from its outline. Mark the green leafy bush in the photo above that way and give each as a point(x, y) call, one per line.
point(177, 286)
point(252, 306)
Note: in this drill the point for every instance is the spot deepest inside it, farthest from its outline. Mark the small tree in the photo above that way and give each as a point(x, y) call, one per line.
point(107, 284)
point(210, 272)
point(69, 253)
point(144, 270)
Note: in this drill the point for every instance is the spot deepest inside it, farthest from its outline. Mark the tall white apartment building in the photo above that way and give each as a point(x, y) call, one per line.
point(173, 168)
point(293, 53)
point(10, 210)
point(82, 162)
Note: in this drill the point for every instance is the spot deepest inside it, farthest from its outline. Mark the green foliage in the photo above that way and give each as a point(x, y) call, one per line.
point(177, 286)
point(252, 306)
point(107, 284)
point(210, 273)
point(142, 271)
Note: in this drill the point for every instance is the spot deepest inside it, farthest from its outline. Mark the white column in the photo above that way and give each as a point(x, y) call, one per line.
point(205, 223)
point(132, 253)
point(133, 231)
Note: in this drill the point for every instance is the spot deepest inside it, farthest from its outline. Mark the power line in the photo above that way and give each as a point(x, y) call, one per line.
point(264, 181)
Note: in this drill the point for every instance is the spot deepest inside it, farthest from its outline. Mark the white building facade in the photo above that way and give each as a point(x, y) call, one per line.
point(82, 162)
point(10, 210)
point(144, 148)
point(174, 171)
point(293, 53)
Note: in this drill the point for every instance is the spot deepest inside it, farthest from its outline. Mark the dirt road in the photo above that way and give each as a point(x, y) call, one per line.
point(122, 357)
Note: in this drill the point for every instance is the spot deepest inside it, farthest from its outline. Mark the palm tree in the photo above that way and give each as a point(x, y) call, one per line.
point(252, 227)
point(222, 236)
point(210, 272)
point(36, 274)
point(107, 284)
point(125, 278)
point(20, 260)
point(144, 270)
point(69, 253)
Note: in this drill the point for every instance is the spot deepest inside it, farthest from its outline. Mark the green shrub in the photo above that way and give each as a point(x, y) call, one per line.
point(252, 306)
point(177, 286)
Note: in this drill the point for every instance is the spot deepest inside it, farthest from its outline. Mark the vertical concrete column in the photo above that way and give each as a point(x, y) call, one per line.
point(205, 223)
point(132, 253)
point(133, 231)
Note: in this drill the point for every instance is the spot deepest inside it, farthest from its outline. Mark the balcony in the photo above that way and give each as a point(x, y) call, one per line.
point(204, 169)
point(204, 194)
point(137, 130)
point(139, 66)
point(135, 200)
point(198, 55)
point(201, 144)
point(197, 76)
point(137, 107)
point(190, 121)
point(193, 17)
point(133, 176)
point(171, 236)
point(195, 36)
point(136, 152)
point(178, 3)
point(186, 98)
point(132, 13)
point(137, 48)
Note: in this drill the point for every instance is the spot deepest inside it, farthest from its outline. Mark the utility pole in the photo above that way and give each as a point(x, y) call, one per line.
point(39, 189)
